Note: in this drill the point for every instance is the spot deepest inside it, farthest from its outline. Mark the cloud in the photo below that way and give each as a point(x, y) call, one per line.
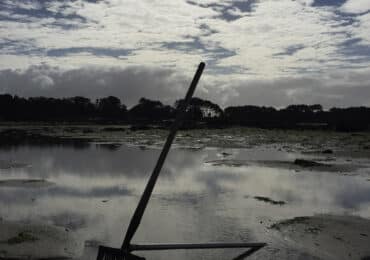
point(132, 83)
point(247, 46)
point(284, 91)
point(43, 81)
point(258, 38)
point(266, 33)
point(356, 6)
point(129, 84)
point(361, 31)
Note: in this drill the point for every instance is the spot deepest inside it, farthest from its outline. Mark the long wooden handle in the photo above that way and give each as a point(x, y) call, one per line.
point(139, 212)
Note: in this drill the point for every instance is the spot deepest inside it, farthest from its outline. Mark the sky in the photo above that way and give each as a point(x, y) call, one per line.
point(257, 52)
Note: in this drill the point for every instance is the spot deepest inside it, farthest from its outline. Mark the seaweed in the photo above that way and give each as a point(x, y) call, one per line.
point(268, 200)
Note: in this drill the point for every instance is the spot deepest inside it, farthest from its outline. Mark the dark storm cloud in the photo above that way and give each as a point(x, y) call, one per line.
point(130, 84)
point(262, 41)
point(352, 90)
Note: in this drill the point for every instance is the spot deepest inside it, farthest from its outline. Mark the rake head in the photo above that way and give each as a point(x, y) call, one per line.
point(124, 253)
point(109, 253)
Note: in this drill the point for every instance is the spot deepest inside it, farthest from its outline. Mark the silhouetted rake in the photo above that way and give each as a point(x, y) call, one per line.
point(124, 253)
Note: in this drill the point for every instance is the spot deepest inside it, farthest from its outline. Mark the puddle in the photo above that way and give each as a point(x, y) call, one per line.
point(93, 190)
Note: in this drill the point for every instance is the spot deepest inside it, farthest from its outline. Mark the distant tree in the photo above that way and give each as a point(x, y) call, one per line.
point(77, 108)
point(350, 119)
point(110, 108)
point(316, 108)
point(6, 106)
point(151, 110)
point(251, 115)
point(294, 114)
point(201, 109)
point(20, 108)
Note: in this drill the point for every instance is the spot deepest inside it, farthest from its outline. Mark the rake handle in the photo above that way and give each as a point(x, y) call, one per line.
point(139, 212)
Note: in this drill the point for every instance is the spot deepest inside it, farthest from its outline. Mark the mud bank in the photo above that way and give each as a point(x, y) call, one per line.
point(37, 241)
point(328, 236)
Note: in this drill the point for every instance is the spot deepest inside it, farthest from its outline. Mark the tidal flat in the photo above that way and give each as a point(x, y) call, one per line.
point(305, 193)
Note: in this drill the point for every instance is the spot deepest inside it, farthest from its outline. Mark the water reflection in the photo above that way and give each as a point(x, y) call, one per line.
point(96, 190)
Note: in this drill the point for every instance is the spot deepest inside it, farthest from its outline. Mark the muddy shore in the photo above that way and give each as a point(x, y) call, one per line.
point(325, 236)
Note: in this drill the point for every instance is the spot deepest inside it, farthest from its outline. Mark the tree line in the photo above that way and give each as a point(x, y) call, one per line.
point(201, 113)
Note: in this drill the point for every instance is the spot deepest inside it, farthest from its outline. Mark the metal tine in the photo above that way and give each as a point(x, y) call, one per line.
point(108, 253)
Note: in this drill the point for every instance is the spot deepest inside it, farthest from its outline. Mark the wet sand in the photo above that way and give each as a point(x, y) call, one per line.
point(38, 241)
point(327, 236)
point(241, 173)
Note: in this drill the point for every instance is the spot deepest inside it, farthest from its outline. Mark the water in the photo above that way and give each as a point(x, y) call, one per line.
point(97, 187)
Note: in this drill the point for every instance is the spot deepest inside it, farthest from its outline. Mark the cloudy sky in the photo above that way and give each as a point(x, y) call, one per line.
point(266, 52)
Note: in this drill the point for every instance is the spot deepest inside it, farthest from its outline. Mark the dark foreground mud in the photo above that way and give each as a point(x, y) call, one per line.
point(328, 236)
point(37, 241)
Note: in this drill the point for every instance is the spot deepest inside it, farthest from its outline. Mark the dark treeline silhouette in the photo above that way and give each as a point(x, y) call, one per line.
point(201, 113)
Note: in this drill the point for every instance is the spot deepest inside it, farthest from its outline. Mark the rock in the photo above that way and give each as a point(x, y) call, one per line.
point(327, 151)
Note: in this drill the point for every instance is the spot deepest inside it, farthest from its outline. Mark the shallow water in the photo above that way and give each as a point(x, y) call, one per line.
point(96, 188)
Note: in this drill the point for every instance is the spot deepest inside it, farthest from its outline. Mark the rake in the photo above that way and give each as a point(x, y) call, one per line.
point(124, 253)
